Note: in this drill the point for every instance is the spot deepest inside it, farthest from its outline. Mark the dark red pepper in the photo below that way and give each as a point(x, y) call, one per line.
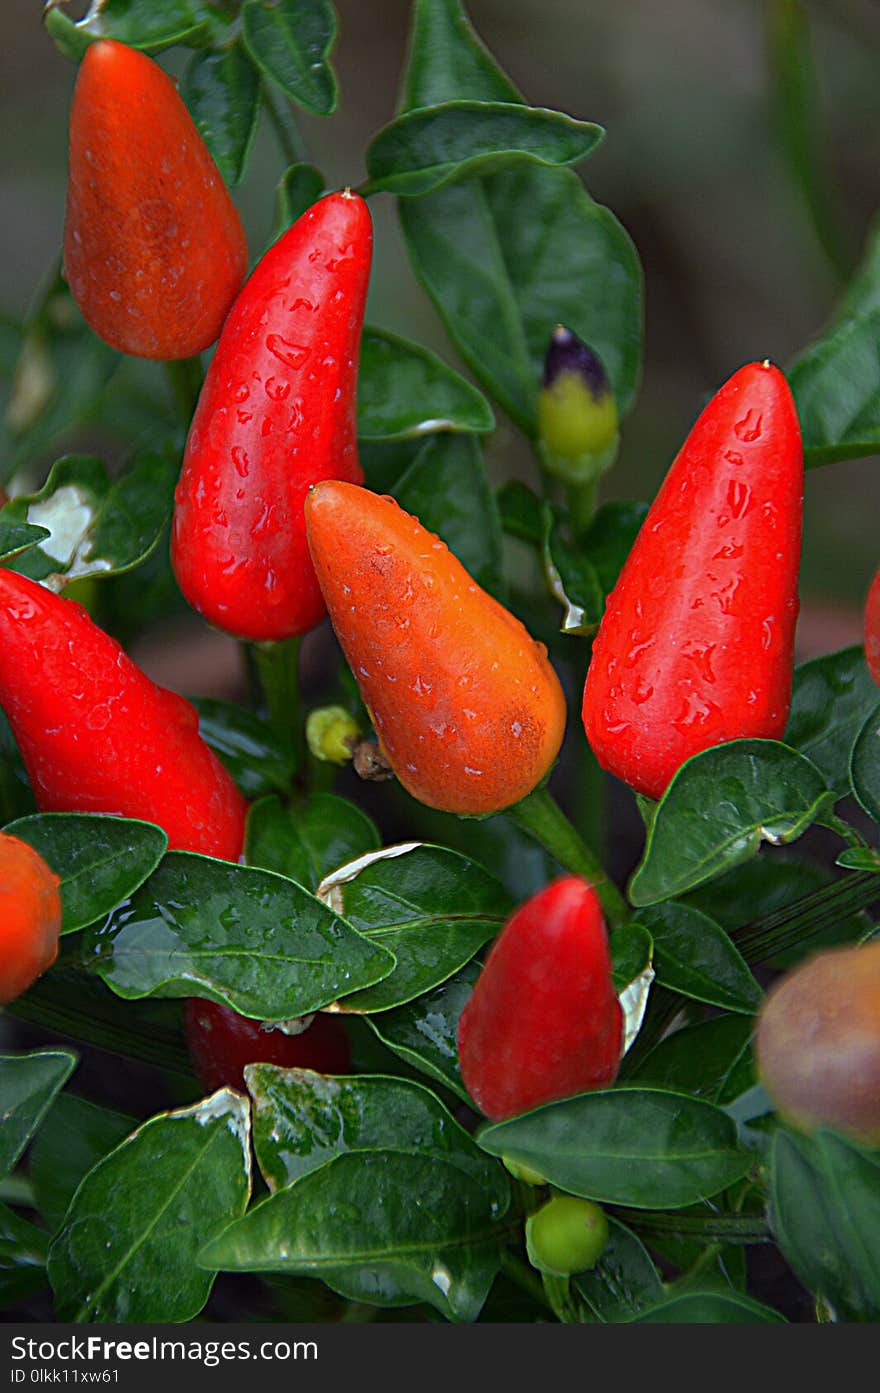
point(696, 646)
point(96, 735)
point(543, 1020)
point(277, 413)
point(221, 1043)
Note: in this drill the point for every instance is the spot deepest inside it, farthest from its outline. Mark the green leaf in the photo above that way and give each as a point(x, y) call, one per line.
point(831, 699)
point(62, 371)
point(865, 766)
point(709, 1307)
point(258, 759)
point(97, 526)
point(302, 1119)
point(430, 907)
point(75, 1136)
point(222, 91)
point(290, 41)
point(572, 580)
point(299, 187)
point(632, 1146)
point(501, 281)
point(624, 1280)
point(718, 809)
point(836, 379)
point(153, 26)
point(631, 949)
point(711, 1060)
point(406, 390)
point(695, 957)
point(127, 1249)
point(447, 60)
point(382, 1227)
point(424, 1031)
point(431, 146)
point(23, 1249)
point(609, 539)
point(244, 937)
point(16, 537)
point(446, 488)
point(307, 841)
point(28, 1085)
point(522, 512)
point(100, 860)
point(825, 1215)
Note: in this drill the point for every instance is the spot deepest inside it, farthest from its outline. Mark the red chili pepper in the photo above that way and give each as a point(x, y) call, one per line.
point(468, 710)
point(275, 415)
point(543, 1021)
point(221, 1043)
point(696, 646)
point(96, 735)
point(872, 628)
point(154, 249)
point(30, 916)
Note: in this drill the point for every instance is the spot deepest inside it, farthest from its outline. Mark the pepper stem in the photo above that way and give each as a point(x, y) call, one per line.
point(581, 500)
point(277, 667)
point(541, 816)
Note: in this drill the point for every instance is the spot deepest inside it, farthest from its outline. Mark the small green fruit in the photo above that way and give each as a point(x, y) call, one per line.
point(331, 732)
point(566, 1235)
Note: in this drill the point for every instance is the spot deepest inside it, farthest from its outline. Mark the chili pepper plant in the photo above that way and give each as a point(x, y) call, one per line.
point(343, 1008)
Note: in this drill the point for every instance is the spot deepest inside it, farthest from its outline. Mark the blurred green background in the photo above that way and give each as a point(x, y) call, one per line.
point(693, 164)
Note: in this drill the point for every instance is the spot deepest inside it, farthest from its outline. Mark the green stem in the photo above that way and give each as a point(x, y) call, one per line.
point(17, 1189)
point(559, 1298)
point(277, 666)
point(529, 1282)
point(844, 830)
point(185, 377)
point(582, 500)
point(285, 128)
point(542, 818)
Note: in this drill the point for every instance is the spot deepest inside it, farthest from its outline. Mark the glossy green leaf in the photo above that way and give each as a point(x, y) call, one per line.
point(97, 526)
point(153, 26)
point(23, 1249)
point(405, 390)
point(383, 1227)
point(836, 379)
point(100, 860)
point(75, 1136)
point(825, 1215)
point(631, 949)
point(709, 1307)
point(430, 907)
point(302, 1119)
point(16, 537)
point(299, 187)
point(62, 371)
point(711, 1059)
point(127, 1249)
point(290, 41)
point(28, 1085)
point(865, 766)
point(859, 858)
point(718, 809)
point(832, 698)
point(501, 281)
point(695, 957)
point(424, 1031)
point(307, 841)
point(572, 580)
point(521, 512)
point(609, 539)
point(222, 91)
point(258, 759)
point(431, 146)
point(241, 936)
point(632, 1146)
point(448, 60)
point(446, 488)
point(624, 1280)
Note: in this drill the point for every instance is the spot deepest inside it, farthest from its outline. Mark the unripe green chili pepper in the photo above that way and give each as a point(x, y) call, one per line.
point(566, 1235)
point(696, 646)
point(543, 1020)
point(331, 734)
point(275, 415)
point(577, 413)
point(96, 735)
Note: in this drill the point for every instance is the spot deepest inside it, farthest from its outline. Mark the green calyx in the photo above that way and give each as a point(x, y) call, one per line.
point(566, 1235)
point(331, 732)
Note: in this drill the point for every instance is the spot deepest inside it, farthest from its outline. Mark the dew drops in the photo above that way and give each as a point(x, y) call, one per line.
point(750, 427)
point(734, 457)
point(241, 460)
point(293, 355)
point(276, 389)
